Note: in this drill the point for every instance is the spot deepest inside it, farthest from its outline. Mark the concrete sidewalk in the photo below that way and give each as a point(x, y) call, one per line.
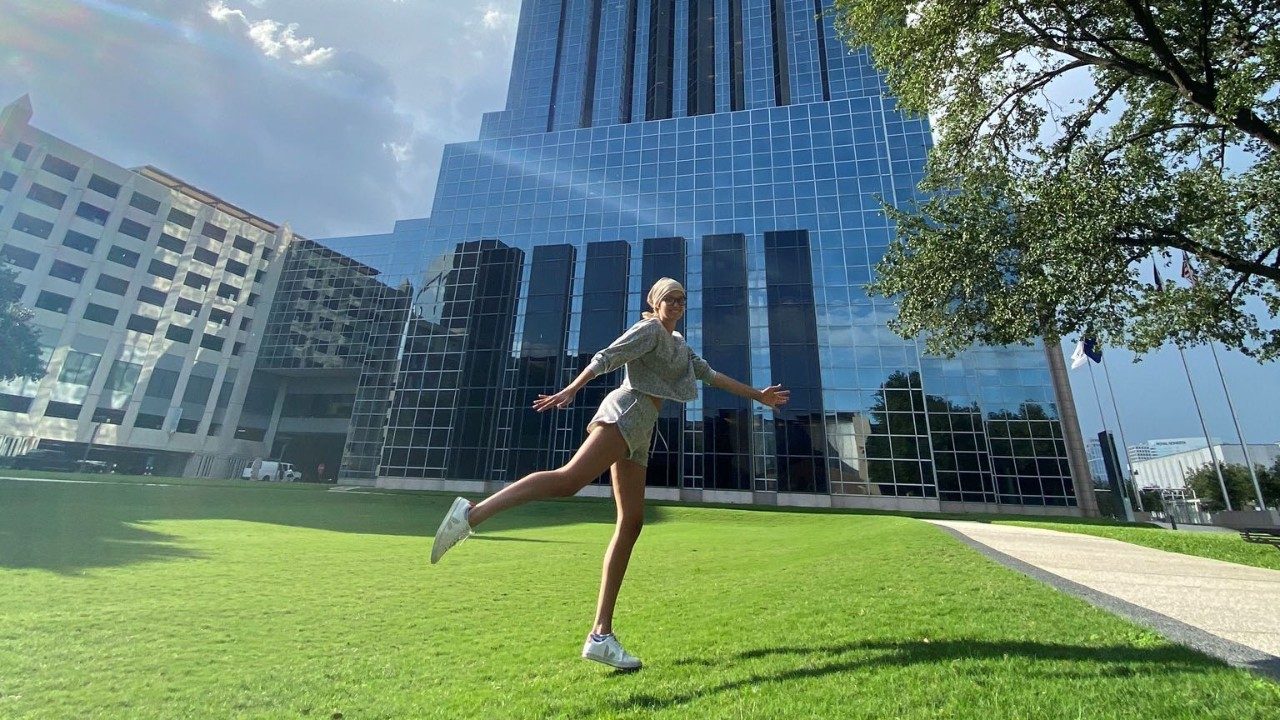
point(1229, 611)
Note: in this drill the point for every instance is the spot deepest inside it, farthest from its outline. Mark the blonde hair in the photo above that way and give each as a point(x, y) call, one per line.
point(664, 287)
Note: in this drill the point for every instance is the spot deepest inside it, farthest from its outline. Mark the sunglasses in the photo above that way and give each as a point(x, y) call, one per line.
point(676, 299)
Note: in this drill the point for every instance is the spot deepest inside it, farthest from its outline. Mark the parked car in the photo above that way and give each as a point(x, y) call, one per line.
point(54, 460)
point(271, 470)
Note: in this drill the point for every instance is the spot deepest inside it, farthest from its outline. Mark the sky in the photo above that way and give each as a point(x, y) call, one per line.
point(331, 115)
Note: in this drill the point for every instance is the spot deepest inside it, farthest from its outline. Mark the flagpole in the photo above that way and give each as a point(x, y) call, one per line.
point(1244, 447)
point(1120, 425)
point(1212, 458)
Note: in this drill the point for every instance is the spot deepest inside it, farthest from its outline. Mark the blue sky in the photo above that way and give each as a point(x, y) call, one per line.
point(331, 115)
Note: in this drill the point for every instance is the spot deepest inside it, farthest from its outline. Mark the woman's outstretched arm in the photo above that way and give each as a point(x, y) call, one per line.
point(564, 398)
point(773, 396)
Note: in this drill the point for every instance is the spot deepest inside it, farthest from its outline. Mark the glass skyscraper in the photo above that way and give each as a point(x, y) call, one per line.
point(740, 147)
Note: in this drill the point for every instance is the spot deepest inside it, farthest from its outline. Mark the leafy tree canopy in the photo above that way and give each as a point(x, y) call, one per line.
point(1074, 141)
point(1204, 481)
point(19, 349)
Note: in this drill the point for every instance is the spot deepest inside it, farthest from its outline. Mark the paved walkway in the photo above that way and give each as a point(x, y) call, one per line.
point(1227, 610)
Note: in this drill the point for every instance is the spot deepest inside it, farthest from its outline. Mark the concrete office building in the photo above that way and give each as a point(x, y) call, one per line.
point(740, 148)
point(149, 295)
point(1163, 447)
point(1171, 471)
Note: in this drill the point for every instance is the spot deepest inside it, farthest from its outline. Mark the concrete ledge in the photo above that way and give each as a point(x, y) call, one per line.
point(805, 500)
point(476, 487)
point(728, 497)
point(998, 509)
point(884, 502)
point(741, 497)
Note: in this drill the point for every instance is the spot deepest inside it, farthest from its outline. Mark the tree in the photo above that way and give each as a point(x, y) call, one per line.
point(19, 349)
point(1039, 210)
point(1239, 485)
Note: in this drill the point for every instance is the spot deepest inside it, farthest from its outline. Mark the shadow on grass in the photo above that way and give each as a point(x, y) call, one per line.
point(816, 661)
point(70, 527)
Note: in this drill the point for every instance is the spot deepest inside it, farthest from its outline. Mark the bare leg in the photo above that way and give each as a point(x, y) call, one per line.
point(602, 448)
point(628, 493)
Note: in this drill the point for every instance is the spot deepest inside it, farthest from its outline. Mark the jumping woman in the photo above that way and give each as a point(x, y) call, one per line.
point(660, 366)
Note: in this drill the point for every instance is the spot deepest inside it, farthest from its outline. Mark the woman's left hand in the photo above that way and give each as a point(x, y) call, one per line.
point(774, 395)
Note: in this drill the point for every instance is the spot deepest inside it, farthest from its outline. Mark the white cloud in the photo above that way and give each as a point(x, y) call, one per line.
point(494, 18)
point(275, 39)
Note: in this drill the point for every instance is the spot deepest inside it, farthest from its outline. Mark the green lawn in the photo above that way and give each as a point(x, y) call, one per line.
point(230, 599)
point(1215, 545)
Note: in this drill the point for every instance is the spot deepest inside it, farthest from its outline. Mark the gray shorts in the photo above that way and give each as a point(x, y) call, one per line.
point(634, 415)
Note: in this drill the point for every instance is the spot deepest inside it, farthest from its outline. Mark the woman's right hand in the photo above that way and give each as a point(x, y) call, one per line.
point(562, 399)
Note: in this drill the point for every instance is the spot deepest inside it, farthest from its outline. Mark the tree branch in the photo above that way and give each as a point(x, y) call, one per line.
point(1165, 237)
point(1201, 127)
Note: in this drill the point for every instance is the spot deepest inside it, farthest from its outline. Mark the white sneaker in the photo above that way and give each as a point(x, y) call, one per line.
point(609, 651)
point(454, 528)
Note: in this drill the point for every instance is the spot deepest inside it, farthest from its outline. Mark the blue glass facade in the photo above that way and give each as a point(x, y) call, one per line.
point(739, 146)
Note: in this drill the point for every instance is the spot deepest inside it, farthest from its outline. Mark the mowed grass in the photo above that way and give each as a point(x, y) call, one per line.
point(239, 600)
point(1225, 546)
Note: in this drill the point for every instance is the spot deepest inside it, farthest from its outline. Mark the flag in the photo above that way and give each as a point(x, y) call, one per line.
point(1188, 272)
point(1155, 270)
point(1086, 350)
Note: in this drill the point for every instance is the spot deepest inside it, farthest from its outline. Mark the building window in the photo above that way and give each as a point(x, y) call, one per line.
point(53, 302)
point(147, 421)
point(258, 275)
point(237, 348)
point(211, 342)
point(15, 403)
point(112, 284)
point(7, 180)
point(253, 299)
point(230, 292)
point(196, 280)
point(177, 217)
point(159, 268)
point(246, 323)
point(22, 151)
point(177, 333)
point(134, 229)
point(123, 377)
point(221, 317)
point(206, 256)
point(140, 324)
point(21, 257)
point(243, 244)
point(67, 271)
point(151, 296)
point(46, 196)
point(210, 230)
point(171, 243)
point(80, 241)
point(67, 411)
point(99, 184)
point(144, 203)
point(32, 226)
point(108, 416)
point(187, 307)
point(122, 256)
point(101, 314)
point(92, 213)
point(60, 167)
point(78, 369)
point(237, 268)
point(266, 253)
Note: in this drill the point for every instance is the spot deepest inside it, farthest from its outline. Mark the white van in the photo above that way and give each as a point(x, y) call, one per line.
point(270, 470)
